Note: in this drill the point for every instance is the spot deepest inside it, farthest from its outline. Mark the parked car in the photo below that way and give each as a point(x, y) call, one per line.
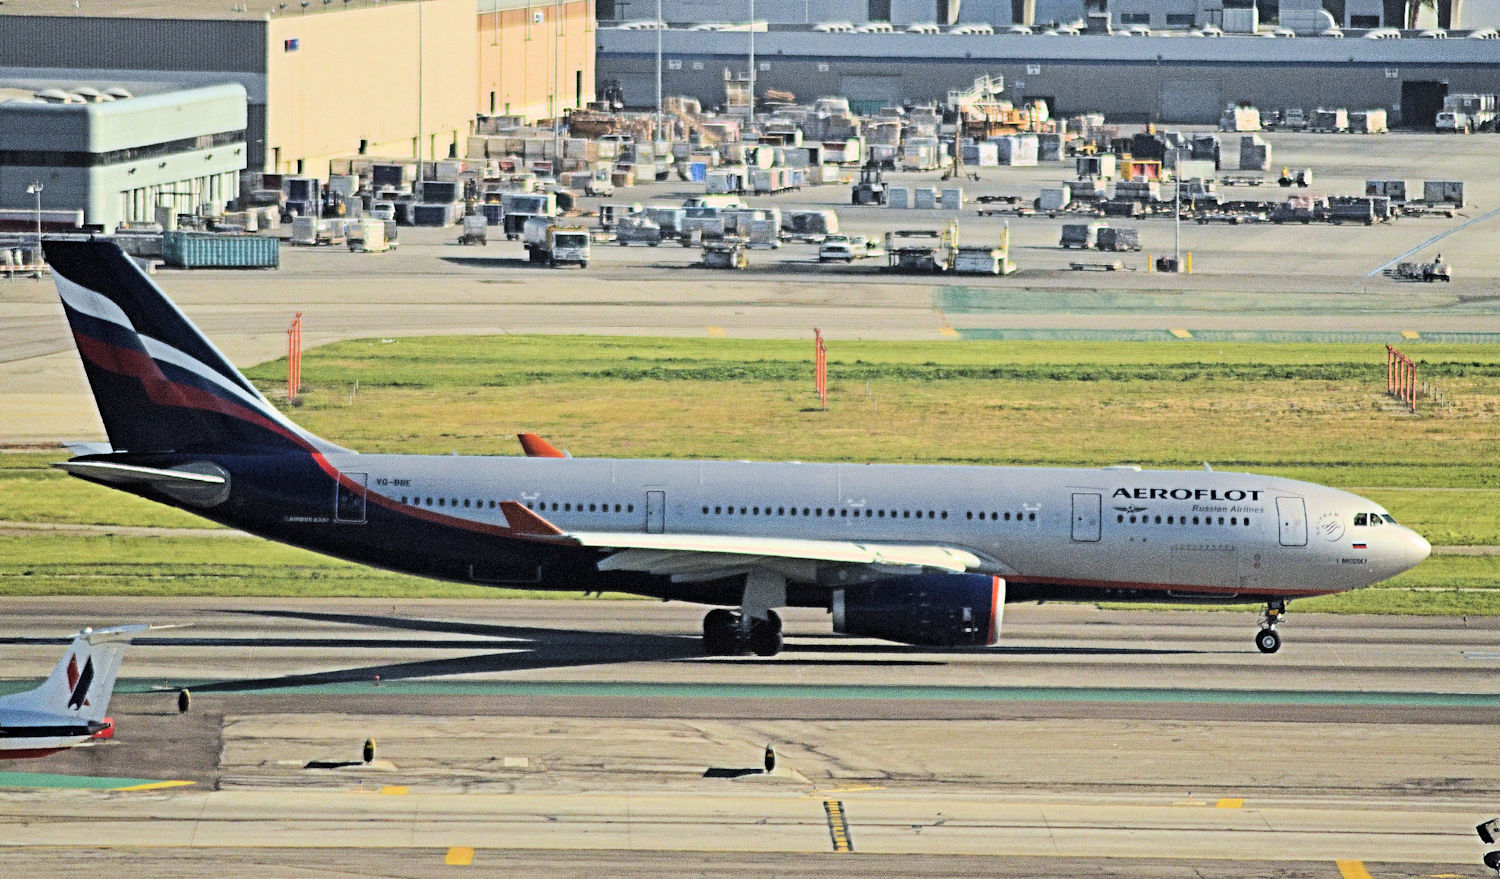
point(847, 248)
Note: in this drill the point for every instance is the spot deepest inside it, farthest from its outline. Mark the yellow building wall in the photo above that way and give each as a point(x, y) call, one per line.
point(524, 51)
point(376, 75)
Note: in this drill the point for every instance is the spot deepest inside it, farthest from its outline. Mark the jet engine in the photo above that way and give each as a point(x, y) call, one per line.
point(936, 610)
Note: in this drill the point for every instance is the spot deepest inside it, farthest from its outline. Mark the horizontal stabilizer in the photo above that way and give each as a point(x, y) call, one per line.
point(108, 471)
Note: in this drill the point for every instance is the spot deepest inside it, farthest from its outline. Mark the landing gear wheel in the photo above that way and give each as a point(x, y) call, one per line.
point(1268, 641)
point(721, 632)
point(765, 636)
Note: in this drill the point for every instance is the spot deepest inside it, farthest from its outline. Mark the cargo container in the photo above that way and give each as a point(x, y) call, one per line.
point(1255, 153)
point(367, 236)
point(1049, 147)
point(667, 217)
point(809, 225)
point(981, 155)
point(1055, 198)
point(924, 198)
point(638, 229)
point(494, 214)
point(1095, 167)
point(724, 181)
point(952, 199)
point(611, 213)
point(1392, 189)
point(981, 260)
point(1443, 192)
point(436, 215)
point(1080, 235)
point(195, 250)
point(1018, 150)
point(476, 230)
point(704, 222)
point(1368, 122)
point(898, 197)
point(1329, 120)
point(438, 191)
point(1110, 238)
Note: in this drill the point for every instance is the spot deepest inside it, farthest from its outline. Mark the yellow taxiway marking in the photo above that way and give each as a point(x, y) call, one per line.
point(1352, 869)
point(1229, 803)
point(716, 331)
point(1181, 333)
point(948, 331)
point(1410, 334)
point(1190, 803)
point(459, 856)
point(838, 826)
point(851, 789)
point(155, 785)
point(394, 790)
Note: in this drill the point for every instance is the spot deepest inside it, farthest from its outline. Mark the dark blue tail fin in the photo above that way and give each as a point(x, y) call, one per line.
point(159, 384)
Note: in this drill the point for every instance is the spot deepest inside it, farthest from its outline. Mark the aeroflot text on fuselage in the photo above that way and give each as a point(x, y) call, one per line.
point(1189, 494)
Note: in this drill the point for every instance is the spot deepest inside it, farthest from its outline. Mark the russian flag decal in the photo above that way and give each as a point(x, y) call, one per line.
point(1360, 546)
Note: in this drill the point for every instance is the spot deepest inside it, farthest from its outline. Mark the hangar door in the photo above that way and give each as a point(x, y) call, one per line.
point(867, 94)
point(1190, 100)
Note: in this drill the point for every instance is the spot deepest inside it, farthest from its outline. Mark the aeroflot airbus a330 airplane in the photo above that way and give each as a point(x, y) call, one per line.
point(916, 554)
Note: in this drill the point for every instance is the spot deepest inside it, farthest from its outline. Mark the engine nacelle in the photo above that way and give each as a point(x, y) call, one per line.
point(935, 610)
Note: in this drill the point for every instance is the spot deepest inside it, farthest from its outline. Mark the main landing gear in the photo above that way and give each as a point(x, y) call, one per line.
point(726, 633)
point(756, 628)
point(1268, 640)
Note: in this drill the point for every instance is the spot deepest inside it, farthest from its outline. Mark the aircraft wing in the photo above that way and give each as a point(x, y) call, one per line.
point(694, 557)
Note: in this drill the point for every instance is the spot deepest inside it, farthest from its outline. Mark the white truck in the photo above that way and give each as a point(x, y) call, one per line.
point(548, 241)
point(1466, 113)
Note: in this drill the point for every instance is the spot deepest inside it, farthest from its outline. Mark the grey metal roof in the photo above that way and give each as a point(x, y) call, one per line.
point(1037, 48)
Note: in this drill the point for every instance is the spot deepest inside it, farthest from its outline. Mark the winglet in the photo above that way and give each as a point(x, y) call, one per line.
point(536, 447)
point(523, 521)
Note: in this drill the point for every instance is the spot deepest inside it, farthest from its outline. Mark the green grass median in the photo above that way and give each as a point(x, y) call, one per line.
point(1306, 411)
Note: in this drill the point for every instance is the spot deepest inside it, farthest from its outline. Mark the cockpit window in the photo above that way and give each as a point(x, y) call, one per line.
point(1389, 518)
point(1374, 518)
point(1361, 519)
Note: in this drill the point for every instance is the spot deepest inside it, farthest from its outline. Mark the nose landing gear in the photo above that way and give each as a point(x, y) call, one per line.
point(1268, 640)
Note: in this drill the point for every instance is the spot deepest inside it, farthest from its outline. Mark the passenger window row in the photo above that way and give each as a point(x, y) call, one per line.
point(823, 512)
point(448, 502)
point(567, 507)
point(1182, 520)
point(998, 517)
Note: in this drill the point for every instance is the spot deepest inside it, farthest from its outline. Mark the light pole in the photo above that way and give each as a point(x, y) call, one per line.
point(658, 134)
point(36, 189)
point(752, 62)
point(1177, 211)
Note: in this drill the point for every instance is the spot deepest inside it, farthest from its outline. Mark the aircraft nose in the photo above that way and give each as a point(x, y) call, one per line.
point(1417, 548)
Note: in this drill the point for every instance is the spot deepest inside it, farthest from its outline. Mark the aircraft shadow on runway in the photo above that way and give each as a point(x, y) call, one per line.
point(524, 648)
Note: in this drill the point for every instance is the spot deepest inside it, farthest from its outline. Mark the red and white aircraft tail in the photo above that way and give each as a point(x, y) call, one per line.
point(70, 707)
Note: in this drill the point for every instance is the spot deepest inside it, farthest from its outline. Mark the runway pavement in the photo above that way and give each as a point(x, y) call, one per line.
point(557, 738)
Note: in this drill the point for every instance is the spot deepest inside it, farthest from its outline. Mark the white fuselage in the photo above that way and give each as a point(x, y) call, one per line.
point(1194, 531)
